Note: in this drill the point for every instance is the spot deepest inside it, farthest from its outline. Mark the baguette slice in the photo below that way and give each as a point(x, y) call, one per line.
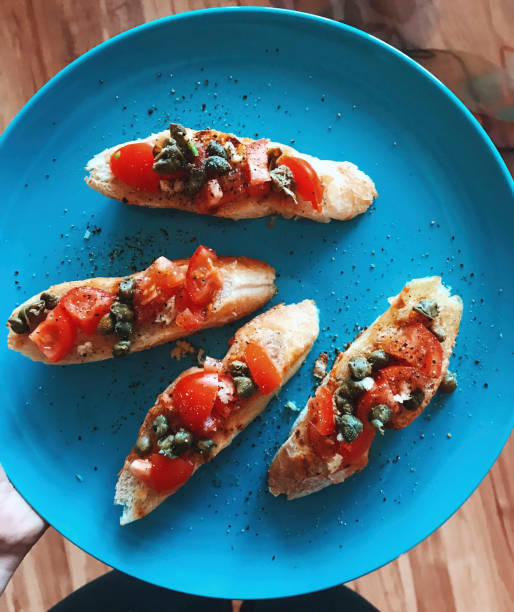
point(247, 285)
point(296, 469)
point(287, 333)
point(347, 190)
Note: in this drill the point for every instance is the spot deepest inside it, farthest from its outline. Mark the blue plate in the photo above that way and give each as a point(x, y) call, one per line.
point(445, 207)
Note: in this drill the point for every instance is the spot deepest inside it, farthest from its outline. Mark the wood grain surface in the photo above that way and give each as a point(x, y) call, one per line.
point(466, 565)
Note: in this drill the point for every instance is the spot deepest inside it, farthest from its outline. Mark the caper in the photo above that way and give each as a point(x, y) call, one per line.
point(143, 445)
point(438, 332)
point(160, 425)
point(449, 382)
point(122, 312)
point(359, 368)
point(378, 425)
point(245, 387)
point(215, 148)
point(188, 148)
point(378, 359)
point(204, 446)
point(343, 404)
point(415, 400)
point(352, 389)
point(167, 446)
point(282, 180)
point(50, 299)
point(32, 314)
point(239, 368)
point(195, 181)
point(18, 326)
point(216, 166)
point(169, 159)
point(349, 426)
point(183, 441)
point(126, 290)
point(382, 412)
point(106, 324)
point(123, 329)
point(427, 308)
point(121, 348)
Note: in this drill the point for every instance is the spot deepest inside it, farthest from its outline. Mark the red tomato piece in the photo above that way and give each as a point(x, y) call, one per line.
point(190, 319)
point(86, 306)
point(324, 447)
point(203, 279)
point(210, 195)
point(418, 347)
point(256, 168)
point(56, 335)
point(132, 164)
point(162, 474)
point(308, 184)
point(193, 398)
point(321, 411)
point(400, 379)
point(262, 368)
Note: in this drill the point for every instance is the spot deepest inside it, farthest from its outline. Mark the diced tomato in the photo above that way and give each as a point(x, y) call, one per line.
point(55, 336)
point(190, 319)
point(132, 164)
point(210, 195)
point(86, 306)
point(418, 347)
point(203, 279)
point(401, 379)
point(321, 411)
point(308, 184)
point(162, 474)
point(256, 168)
point(262, 368)
point(224, 402)
point(325, 447)
point(194, 396)
point(155, 287)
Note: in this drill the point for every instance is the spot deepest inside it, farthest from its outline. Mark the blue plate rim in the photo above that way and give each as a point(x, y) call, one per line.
point(329, 23)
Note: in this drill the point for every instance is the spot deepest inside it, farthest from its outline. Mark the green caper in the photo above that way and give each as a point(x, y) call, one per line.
point(179, 134)
point(121, 348)
point(126, 290)
point(122, 312)
point(215, 148)
point(359, 368)
point(204, 446)
point(245, 387)
point(382, 412)
point(449, 382)
point(50, 299)
point(349, 426)
point(216, 166)
point(167, 446)
point(18, 326)
point(169, 159)
point(438, 332)
point(239, 368)
point(343, 404)
point(106, 324)
point(123, 329)
point(160, 425)
point(415, 400)
point(352, 389)
point(32, 314)
point(282, 180)
point(183, 441)
point(378, 425)
point(427, 308)
point(195, 181)
point(378, 359)
point(143, 445)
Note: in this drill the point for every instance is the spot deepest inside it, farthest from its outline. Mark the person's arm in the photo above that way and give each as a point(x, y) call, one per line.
point(20, 528)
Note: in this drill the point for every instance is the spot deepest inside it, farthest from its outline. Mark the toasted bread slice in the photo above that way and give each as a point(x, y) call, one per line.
point(297, 470)
point(287, 333)
point(347, 190)
point(247, 285)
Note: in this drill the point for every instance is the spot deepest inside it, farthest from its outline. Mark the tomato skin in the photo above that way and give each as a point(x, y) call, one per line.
point(203, 279)
point(325, 447)
point(262, 368)
point(193, 398)
point(163, 475)
point(418, 347)
point(86, 306)
point(132, 164)
point(256, 168)
point(56, 335)
point(308, 184)
point(321, 412)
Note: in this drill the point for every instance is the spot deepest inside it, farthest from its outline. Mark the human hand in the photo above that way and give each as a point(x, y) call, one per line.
point(20, 528)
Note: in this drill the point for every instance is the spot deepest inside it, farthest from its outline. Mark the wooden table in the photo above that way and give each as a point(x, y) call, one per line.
point(466, 565)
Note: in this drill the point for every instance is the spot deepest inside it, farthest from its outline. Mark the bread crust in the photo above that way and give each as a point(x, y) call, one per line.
point(247, 285)
point(348, 191)
point(288, 332)
point(296, 470)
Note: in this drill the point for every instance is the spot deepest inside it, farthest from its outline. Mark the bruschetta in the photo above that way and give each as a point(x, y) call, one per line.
point(385, 378)
point(215, 173)
point(202, 411)
point(98, 318)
